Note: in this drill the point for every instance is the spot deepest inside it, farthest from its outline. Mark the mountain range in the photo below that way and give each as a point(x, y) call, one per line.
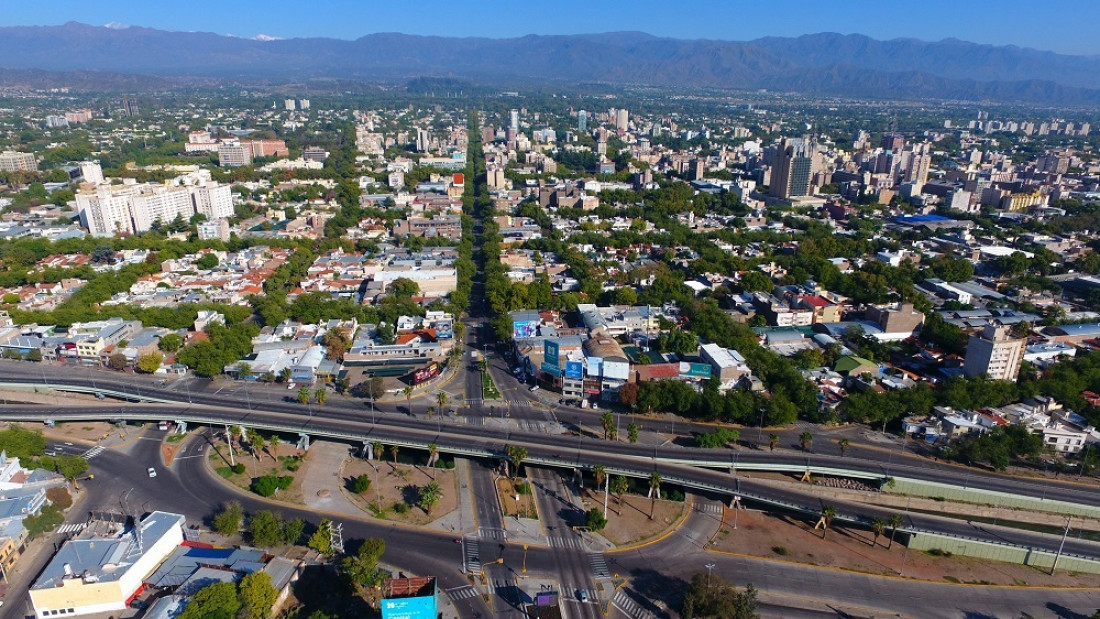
point(818, 64)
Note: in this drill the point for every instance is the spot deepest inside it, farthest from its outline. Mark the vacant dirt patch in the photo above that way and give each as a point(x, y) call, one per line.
point(785, 537)
point(629, 522)
point(509, 489)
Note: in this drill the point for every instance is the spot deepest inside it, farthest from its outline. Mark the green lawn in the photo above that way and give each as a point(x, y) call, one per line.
point(488, 388)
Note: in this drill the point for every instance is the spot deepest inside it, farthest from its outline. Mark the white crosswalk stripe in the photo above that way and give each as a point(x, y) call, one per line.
point(599, 565)
point(462, 593)
point(490, 533)
point(629, 607)
point(565, 542)
point(472, 556)
point(72, 528)
point(709, 508)
point(93, 452)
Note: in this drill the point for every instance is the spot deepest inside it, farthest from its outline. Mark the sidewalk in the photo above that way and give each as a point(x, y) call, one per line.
point(322, 486)
point(461, 520)
point(525, 531)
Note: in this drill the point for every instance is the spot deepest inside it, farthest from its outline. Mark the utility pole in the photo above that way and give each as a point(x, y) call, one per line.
point(1062, 545)
point(606, 487)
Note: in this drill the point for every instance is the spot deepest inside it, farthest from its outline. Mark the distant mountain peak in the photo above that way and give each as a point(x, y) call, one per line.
point(266, 37)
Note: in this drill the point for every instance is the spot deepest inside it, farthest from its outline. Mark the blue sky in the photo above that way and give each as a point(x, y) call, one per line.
point(1066, 26)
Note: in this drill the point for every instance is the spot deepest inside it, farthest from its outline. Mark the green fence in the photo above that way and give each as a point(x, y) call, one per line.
point(1042, 559)
point(916, 487)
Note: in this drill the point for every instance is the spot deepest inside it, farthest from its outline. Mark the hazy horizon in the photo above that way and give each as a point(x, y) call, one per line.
point(1062, 26)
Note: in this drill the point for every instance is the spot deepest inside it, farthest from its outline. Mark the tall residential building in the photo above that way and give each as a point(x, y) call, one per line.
point(91, 172)
point(130, 104)
point(107, 210)
point(582, 121)
point(995, 353)
point(513, 120)
point(14, 161)
point(303, 104)
point(790, 176)
point(893, 142)
point(622, 120)
point(289, 104)
point(233, 154)
point(919, 160)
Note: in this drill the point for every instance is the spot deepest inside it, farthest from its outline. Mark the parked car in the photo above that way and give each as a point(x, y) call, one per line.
point(152, 472)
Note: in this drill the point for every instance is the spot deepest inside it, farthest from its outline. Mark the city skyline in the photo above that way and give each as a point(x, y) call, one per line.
point(1004, 23)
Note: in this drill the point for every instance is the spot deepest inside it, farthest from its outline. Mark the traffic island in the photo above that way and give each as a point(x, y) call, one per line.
point(253, 473)
point(628, 517)
point(399, 491)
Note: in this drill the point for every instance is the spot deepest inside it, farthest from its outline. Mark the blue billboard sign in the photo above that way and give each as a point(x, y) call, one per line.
point(551, 369)
point(409, 608)
point(574, 370)
point(695, 370)
point(524, 329)
point(551, 353)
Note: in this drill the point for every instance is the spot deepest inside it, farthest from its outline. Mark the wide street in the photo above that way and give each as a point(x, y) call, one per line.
point(655, 572)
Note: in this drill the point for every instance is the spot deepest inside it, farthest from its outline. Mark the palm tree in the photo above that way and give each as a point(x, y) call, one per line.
point(827, 514)
point(878, 527)
point(806, 438)
point(303, 395)
point(654, 492)
point(274, 442)
point(608, 422)
point(321, 395)
point(441, 399)
point(517, 455)
point(252, 437)
point(632, 432)
point(433, 454)
point(843, 446)
point(619, 486)
point(393, 452)
point(600, 473)
point(429, 496)
point(408, 391)
point(895, 521)
point(233, 434)
point(773, 440)
point(377, 448)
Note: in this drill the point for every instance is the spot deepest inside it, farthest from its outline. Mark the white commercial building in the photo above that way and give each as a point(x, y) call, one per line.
point(104, 574)
point(107, 210)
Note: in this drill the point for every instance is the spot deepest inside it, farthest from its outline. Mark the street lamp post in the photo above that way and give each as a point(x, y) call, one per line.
point(710, 568)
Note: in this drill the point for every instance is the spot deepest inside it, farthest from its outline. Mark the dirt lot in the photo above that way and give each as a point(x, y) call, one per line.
point(629, 523)
point(783, 537)
point(399, 485)
point(525, 507)
point(88, 431)
point(266, 463)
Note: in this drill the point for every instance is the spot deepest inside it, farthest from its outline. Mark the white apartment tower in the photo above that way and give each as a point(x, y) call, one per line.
point(622, 120)
point(91, 172)
point(995, 353)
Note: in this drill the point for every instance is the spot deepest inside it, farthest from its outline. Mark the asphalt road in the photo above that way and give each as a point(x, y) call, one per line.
point(873, 461)
point(572, 562)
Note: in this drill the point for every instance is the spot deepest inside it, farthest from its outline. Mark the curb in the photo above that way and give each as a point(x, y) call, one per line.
point(907, 579)
point(688, 506)
point(335, 516)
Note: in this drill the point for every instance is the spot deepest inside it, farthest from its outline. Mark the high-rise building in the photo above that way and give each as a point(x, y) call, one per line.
point(513, 120)
point(289, 103)
point(917, 164)
point(130, 104)
point(622, 120)
point(56, 122)
point(892, 142)
point(233, 154)
point(14, 161)
point(107, 210)
point(790, 176)
point(303, 104)
point(994, 353)
point(582, 121)
point(91, 172)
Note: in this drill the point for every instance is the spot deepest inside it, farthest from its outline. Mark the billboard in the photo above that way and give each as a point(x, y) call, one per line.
point(524, 329)
point(695, 370)
point(574, 370)
point(444, 329)
point(551, 353)
point(425, 373)
point(423, 607)
point(551, 369)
